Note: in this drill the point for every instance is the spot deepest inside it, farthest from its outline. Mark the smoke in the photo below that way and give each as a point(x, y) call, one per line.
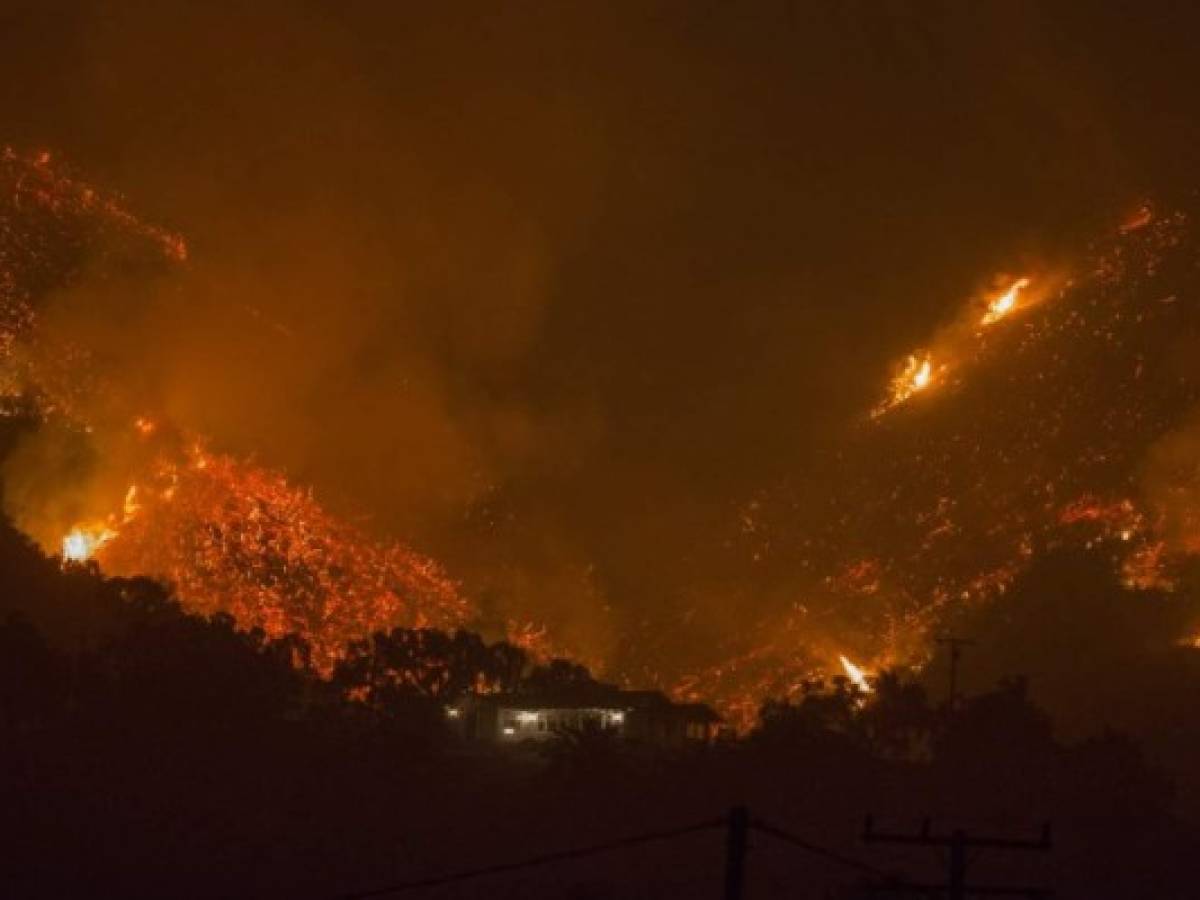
point(550, 290)
point(1171, 483)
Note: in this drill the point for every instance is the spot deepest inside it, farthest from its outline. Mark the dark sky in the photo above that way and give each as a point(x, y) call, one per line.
point(551, 289)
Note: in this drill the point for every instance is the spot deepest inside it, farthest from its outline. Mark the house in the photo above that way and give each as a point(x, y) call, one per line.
point(643, 716)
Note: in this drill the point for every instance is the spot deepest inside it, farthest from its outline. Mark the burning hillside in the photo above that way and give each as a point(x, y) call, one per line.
point(235, 537)
point(144, 498)
point(1053, 423)
point(1052, 410)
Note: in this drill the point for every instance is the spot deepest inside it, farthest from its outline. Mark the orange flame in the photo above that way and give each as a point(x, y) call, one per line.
point(1001, 306)
point(81, 542)
point(857, 676)
point(916, 376)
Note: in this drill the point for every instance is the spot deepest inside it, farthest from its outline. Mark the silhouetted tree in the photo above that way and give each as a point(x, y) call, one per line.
point(820, 717)
point(32, 676)
point(897, 721)
point(168, 667)
point(563, 678)
point(408, 669)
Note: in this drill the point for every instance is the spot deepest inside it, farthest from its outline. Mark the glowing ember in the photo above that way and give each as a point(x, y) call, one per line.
point(1005, 303)
point(50, 188)
point(891, 527)
point(238, 538)
point(916, 376)
point(1043, 447)
point(227, 535)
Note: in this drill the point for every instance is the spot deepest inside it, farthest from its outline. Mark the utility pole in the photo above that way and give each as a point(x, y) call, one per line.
point(955, 644)
point(958, 842)
point(735, 852)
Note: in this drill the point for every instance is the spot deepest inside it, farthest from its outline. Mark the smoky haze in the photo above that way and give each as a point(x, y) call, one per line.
point(551, 289)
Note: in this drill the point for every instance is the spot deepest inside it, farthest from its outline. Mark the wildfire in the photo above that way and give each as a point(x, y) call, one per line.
point(50, 188)
point(916, 376)
point(1043, 447)
point(1005, 303)
point(857, 676)
point(891, 528)
point(228, 535)
point(81, 543)
point(919, 372)
point(239, 538)
point(920, 378)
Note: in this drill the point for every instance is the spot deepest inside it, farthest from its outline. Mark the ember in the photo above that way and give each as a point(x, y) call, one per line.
point(897, 525)
point(227, 534)
point(916, 376)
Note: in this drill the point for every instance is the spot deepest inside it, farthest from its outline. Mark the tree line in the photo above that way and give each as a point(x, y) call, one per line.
point(148, 752)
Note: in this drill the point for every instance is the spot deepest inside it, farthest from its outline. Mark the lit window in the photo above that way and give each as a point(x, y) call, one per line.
point(508, 729)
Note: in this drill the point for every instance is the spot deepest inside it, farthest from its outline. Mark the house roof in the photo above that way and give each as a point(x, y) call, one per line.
point(648, 701)
point(543, 701)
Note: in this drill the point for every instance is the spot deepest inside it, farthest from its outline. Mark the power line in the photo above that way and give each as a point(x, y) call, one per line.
point(832, 855)
point(738, 823)
point(959, 844)
point(891, 881)
point(531, 862)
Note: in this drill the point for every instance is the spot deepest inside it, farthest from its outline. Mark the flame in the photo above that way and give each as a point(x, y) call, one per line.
point(239, 538)
point(921, 378)
point(1139, 218)
point(232, 535)
point(916, 376)
point(54, 190)
point(81, 542)
point(1005, 303)
point(857, 676)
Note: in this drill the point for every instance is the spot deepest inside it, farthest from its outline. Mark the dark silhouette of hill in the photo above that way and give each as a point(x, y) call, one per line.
point(1097, 655)
point(146, 752)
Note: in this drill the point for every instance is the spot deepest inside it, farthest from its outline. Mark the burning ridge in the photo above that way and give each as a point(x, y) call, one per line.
point(1037, 419)
point(228, 534)
point(1053, 410)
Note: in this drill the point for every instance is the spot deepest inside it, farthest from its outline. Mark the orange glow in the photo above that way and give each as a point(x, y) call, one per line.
point(81, 543)
point(857, 676)
point(52, 189)
point(235, 537)
point(916, 376)
point(132, 505)
point(949, 516)
point(1001, 306)
point(1139, 218)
